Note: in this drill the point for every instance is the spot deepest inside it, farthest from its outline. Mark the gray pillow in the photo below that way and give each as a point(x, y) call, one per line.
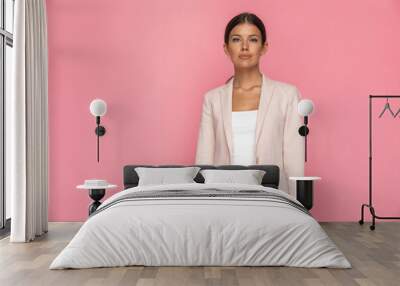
point(163, 176)
point(249, 177)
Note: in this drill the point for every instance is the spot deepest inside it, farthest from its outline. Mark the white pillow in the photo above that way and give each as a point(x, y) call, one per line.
point(164, 176)
point(249, 177)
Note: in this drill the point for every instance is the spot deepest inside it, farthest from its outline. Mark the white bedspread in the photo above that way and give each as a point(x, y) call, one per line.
point(200, 231)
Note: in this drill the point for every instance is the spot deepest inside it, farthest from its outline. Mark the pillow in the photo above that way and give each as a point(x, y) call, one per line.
point(163, 176)
point(249, 177)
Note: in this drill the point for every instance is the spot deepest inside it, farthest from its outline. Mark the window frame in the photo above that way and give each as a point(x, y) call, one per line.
point(6, 39)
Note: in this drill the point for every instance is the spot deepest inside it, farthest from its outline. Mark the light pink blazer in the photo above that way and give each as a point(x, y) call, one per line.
point(277, 139)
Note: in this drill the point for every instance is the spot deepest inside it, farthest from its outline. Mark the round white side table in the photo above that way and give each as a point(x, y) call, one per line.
point(96, 193)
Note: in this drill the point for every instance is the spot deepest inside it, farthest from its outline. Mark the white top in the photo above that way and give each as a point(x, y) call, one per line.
point(94, 184)
point(243, 137)
point(305, 178)
point(86, 187)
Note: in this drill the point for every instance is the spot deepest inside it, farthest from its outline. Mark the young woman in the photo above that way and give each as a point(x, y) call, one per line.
point(252, 119)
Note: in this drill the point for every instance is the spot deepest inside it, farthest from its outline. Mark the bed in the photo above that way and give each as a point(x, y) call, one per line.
point(201, 224)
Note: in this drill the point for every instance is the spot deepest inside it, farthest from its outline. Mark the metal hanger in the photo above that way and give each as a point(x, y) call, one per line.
point(398, 111)
point(387, 107)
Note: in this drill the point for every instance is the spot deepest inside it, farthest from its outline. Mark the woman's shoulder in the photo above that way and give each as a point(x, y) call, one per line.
point(285, 88)
point(212, 93)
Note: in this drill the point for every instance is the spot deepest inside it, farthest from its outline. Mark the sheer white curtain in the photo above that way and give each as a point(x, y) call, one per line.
point(27, 123)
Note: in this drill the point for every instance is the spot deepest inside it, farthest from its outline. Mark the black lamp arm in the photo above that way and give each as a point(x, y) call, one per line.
point(100, 131)
point(303, 131)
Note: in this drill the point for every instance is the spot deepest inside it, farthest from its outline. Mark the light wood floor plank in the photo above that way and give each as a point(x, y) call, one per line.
point(375, 257)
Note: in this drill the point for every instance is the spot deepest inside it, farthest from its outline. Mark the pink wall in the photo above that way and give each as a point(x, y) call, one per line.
point(152, 61)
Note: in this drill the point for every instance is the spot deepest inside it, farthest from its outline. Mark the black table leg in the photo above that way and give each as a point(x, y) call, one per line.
point(96, 195)
point(304, 189)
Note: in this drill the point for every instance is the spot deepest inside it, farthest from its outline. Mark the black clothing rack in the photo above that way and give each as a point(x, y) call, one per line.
point(370, 205)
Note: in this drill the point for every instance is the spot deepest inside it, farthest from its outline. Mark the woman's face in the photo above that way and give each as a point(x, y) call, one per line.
point(245, 46)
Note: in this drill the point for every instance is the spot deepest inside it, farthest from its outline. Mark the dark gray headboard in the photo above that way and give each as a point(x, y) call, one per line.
point(270, 179)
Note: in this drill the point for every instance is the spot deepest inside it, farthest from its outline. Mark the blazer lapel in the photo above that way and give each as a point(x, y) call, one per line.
point(267, 90)
point(226, 109)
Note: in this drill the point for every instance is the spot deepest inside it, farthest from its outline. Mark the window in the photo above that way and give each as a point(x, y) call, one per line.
point(6, 60)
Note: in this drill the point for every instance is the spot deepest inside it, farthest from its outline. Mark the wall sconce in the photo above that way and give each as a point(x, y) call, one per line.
point(305, 107)
point(98, 108)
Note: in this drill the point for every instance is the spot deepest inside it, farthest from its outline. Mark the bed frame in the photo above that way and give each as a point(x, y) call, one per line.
point(270, 179)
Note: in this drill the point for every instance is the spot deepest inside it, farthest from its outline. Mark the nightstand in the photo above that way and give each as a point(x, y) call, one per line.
point(304, 190)
point(97, 190)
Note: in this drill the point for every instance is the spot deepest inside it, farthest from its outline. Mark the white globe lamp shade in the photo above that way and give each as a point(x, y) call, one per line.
point(98, 107)
point(305, 107)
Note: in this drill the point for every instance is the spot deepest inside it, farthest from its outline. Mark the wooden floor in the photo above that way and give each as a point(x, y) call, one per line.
point(375, 257)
